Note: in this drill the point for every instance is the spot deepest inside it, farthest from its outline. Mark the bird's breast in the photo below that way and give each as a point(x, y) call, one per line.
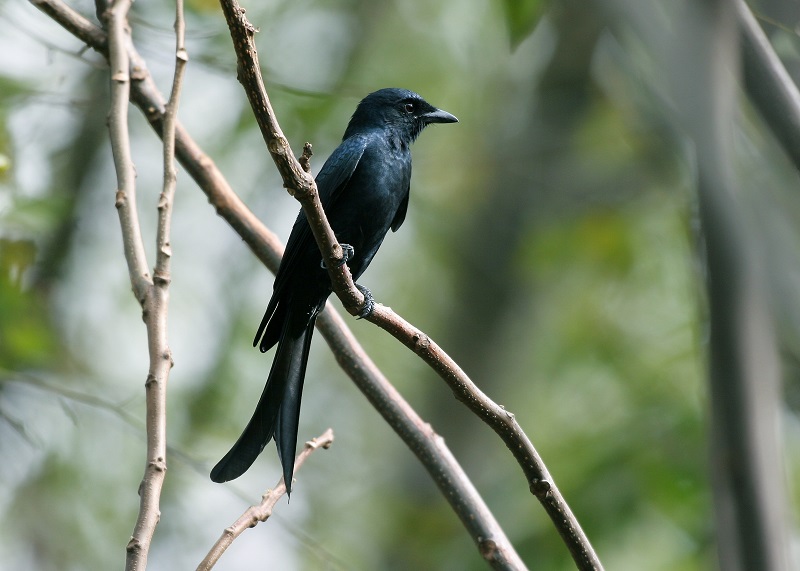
point(363, 213)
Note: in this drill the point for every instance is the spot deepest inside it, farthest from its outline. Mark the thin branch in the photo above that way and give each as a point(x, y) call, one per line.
point(429, 448)
point(768, 84)
point(541, 483)
point(152, 294)
point(118, 32)
point(747, 469)
point(165, 201)
point(419, 436)
point(260, 513)
point(296, 180)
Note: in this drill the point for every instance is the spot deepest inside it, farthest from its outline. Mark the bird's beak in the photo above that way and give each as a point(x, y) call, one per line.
point(439, 116)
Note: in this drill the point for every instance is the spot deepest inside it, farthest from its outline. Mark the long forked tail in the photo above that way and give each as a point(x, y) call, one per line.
point(278, 411)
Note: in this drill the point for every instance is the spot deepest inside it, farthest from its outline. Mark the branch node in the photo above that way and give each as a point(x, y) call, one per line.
point(540, 488)
point(153, 114)
point(133, 545)
point(119, 199)
point(488, 549)
point(163, 279)
point(276, 146)
point(422, 343)
point(138, 73)
point(150, 381)
point(305, 158)
point(159, 465)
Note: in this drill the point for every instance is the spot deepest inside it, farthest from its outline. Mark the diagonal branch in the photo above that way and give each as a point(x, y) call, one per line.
point(260, 513)
point(116, 22)
point(296, 180)
point(115, 18)
point(165, 201)
point(768, 83)
point(152, 294)
point(429, 448)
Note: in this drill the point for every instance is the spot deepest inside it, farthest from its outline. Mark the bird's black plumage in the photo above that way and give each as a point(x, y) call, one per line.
point(364, 188)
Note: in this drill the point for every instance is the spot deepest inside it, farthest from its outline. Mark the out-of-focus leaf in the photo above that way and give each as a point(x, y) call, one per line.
point(35, 216)
point(599, 240)
point(521, 18)
point(25, 336)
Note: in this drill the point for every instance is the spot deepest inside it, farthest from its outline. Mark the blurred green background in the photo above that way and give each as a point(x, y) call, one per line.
point(550, 248)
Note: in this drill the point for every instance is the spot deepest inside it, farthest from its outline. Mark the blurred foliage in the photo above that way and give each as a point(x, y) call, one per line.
point(549, 248)
point(521, 18)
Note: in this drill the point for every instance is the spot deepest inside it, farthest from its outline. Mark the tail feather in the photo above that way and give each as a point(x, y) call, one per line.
point(271, 328)
point(282, 391)
point(288, 419)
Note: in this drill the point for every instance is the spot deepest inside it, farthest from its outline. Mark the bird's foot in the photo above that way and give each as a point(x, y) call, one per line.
point(369, 302)
point(347, 252)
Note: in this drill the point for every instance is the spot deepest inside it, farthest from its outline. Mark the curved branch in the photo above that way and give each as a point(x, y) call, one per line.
point(768, 84)
point(152, 294)
point(504, 423)
point(115, 18)
point(296, 180)
point(165, 201)
point(260, 513)
point(430, 449)
point(423, 441)
point(116, 22)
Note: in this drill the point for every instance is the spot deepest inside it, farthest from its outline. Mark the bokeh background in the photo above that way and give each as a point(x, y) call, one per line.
point(551, 248)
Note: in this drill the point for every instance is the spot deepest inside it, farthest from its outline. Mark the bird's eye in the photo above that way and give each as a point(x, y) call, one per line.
point(409, 107)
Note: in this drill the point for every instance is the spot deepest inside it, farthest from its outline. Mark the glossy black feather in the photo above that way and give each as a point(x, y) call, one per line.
point(364, 188)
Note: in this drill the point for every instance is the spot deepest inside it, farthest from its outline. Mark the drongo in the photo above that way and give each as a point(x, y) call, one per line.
point(364, 188)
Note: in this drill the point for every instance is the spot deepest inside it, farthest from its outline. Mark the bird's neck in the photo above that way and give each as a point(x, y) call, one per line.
point(398, 139)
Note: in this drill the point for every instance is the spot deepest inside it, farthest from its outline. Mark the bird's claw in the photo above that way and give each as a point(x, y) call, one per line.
point(369, 302)
point(347, 252)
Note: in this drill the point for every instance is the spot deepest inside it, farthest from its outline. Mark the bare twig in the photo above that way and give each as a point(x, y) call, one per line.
point(118, 31)
point(296, 180)
point(504, 423)
point(419, 436)
point(430, 449)
point(768, 83)
point(152, 294)
point(163, 248)
point(744, 368)
point(260, 513)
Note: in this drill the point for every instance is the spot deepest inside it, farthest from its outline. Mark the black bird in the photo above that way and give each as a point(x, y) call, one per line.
point(363, 187)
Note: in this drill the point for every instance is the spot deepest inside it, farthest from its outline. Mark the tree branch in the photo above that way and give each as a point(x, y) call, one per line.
point(152, 294)
point(116, 22)
point(165, 201)
point(260, 513)
point(768, 84)
point(296, 180)
point(429, 448)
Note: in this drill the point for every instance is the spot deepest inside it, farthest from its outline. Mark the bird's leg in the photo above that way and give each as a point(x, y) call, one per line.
point(347, 253)
point(369, 302)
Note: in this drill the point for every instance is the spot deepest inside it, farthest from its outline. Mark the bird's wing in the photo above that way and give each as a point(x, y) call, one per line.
point(332, 178)
point(339, 167)
point(400, 215)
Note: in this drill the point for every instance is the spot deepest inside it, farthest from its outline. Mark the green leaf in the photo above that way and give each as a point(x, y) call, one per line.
point(521, 18)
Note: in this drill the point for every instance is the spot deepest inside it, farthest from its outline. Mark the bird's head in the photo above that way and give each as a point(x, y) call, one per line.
point(404, 112)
